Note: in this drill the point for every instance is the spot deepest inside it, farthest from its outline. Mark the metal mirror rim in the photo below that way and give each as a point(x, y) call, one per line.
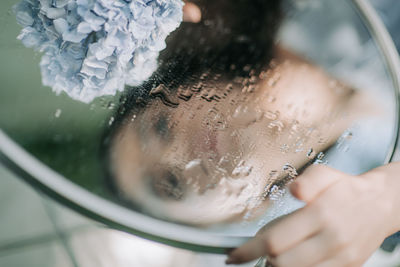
point(67, 193)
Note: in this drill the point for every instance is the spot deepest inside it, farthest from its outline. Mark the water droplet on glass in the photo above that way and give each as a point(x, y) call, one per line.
point(299, 146)
point(163, 93)
point(211, 95)
point(238, 79)
point(242, 170)
point(224, 163)
point(345, 148)
point(275, 193)
point(195, 171)
point(233, 186)
point(348, 135)
point(264, 74)
point(229, 87)
point(342, 141)
point(247, 216)
point(110, 121)
point(274, 189)
point(249, 88)
point(274, 79)
point(253, 79)
point(247, 68)
point(244, 116)
point(271, 99)
point(208, 22)
point(285, 148)
point(217, 76)
point(197, 87)
point(276, 124)
point(58, 112)
point(204, 76)
point(295, 126)
point(290, 170)
point(299, 149)
point(273, 64)
point(184, 93)
point(311, 153)
point(273, 175)
point(110, 105)
point(319, 159)
point(272, 115)
point(252, 146)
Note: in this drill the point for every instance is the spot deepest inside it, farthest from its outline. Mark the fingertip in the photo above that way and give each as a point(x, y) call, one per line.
point(229, 260)
point(191, 13)
point(271, 261)
point(293, 187)
point(233, 257)
point(297, 191)
point(251, 250)
point(313, 181)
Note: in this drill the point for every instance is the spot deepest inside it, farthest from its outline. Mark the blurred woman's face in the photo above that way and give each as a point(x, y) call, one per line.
point(212, 151)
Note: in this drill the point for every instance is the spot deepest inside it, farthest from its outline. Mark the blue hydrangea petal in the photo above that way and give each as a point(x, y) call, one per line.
point(96, 47)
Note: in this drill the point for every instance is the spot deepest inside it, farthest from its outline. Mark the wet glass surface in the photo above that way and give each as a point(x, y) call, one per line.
point(239, 105)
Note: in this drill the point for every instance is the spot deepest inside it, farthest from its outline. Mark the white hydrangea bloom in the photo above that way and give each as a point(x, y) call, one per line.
point(94, 47)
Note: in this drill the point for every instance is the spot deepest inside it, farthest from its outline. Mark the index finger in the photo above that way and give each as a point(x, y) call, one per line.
point(278, 237)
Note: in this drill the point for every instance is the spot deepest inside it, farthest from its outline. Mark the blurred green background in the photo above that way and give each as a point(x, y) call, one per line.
point(65, 134)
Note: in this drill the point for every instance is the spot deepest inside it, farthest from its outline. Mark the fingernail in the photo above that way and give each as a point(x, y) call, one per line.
point(229, 260)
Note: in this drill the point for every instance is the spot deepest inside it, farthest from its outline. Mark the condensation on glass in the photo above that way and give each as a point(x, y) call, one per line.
point(240, 104)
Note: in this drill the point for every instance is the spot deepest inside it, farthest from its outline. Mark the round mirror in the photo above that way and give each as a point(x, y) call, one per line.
point(197, 149)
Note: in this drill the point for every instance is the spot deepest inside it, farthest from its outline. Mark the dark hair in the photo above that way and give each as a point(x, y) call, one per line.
point(235, 37)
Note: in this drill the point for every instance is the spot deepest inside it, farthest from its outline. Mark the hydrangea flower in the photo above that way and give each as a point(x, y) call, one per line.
point(95, 47)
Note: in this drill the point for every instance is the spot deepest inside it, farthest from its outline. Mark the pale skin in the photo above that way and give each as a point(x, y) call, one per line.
point(344, 221)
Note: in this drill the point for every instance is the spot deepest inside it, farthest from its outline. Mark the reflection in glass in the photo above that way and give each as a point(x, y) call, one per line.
point(235, 110)
point(229, 118)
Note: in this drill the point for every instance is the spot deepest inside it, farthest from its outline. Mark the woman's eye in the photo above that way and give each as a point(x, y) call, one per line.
point(166, 185)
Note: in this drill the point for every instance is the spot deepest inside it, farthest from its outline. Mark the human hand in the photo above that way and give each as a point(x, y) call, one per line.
point(191, 13)
point(344, 221)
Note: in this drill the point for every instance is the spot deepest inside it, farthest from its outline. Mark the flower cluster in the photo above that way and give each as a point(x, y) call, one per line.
point(94, 47)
